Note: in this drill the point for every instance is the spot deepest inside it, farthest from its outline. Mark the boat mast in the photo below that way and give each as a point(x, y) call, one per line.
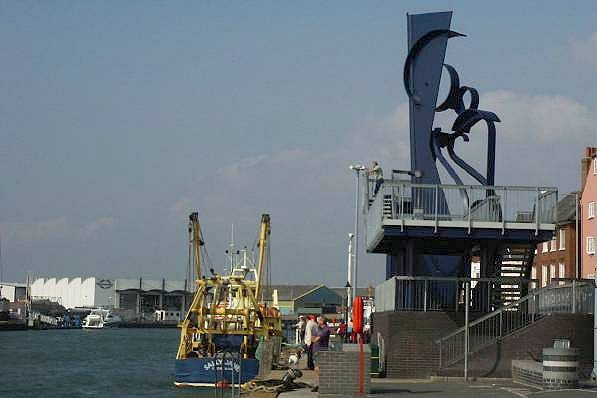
point(196, 242)
point(262, 244)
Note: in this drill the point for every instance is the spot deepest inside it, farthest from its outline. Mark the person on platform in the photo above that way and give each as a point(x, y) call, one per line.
point(321, 342)
point(310, 333)
point(377, 173)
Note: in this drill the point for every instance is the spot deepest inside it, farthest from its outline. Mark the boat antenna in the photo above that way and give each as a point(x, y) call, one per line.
point(1, 264)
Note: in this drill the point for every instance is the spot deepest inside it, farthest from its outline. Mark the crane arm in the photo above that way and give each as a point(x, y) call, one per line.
point(263, 243)
point(196, 240)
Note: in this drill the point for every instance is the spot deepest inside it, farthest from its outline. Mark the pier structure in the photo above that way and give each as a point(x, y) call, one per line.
point(459, 253)
point(433, 229)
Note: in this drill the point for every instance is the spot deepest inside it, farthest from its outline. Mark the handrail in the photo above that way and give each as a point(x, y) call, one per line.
point(488, 329)
point(456, 186)
point(462, 279)
point(493, 314)
point(514, 304)
point(406, 204)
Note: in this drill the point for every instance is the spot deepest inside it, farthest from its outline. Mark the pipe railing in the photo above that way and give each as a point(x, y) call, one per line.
point(468, 204)
point(447, 294)
point(575, 296)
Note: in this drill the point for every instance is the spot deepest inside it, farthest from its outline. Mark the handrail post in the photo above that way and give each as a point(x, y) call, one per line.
point(504, 210)
point(425, 295)
point(402, 189)
point(436, 207)
point(466, 326)
point(573, 296)
point(537, 213)
point(393, 201)
point(469, 209)
point(501, 321)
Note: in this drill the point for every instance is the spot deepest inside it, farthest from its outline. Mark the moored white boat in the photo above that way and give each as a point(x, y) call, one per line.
point(100, 318)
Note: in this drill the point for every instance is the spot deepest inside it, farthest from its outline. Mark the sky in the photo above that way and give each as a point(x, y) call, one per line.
point(117, 119)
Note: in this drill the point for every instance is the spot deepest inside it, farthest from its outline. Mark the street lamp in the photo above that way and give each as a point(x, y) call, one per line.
point(357, 168)
point(349, 277)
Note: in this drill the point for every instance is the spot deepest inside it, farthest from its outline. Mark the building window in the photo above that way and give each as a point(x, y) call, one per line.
point(591, 209)
point(553, 243)
point(552, 272)
point(561, 272)
point(590, 244)
point(594, 166)
point(545, 247)
point(543, 275)
point(562, 239)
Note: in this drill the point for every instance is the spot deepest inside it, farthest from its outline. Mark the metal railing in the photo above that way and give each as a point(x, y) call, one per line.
point(447, 294)
point(572, 297)
point(466, 204)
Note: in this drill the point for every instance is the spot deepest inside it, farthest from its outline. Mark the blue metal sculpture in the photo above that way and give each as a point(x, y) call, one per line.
point(418, 90)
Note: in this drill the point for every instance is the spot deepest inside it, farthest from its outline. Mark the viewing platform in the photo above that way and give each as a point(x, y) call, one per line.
point(402, 209)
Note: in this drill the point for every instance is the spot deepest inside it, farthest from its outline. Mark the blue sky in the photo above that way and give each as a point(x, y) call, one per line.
point(119, 118)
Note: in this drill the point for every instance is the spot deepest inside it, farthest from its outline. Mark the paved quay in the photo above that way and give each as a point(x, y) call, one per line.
point(452, 388)
point(425, 388)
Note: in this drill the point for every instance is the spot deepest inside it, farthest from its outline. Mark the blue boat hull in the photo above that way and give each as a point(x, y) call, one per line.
point(208, 371)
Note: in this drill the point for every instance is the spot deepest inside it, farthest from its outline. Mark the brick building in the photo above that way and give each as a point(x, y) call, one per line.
point(588, 211)
point(558, 258)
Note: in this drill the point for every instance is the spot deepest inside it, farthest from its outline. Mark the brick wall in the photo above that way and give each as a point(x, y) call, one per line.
point(556, 256)
point(339, 371)
point(409, 339)
point(411, 351)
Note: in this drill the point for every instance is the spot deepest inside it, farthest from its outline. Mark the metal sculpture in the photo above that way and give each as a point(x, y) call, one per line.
point(424, 87)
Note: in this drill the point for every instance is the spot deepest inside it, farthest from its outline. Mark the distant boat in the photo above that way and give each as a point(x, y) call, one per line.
point(100, 318)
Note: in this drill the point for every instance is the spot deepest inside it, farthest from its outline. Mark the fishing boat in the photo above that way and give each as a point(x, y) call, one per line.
point(227, 319)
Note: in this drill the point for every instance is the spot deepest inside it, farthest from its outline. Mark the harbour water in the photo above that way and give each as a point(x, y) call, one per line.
point(91, 363)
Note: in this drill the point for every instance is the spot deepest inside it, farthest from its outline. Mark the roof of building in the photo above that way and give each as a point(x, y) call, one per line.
point(361, 291)
point(292, 292)
point(567, 209)
point(288, 292)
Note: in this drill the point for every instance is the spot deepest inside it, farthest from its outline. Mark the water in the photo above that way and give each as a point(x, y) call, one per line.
point(91, 363)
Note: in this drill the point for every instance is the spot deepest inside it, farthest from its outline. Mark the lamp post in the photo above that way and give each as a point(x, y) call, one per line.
point(357, 168)
point(349, 277)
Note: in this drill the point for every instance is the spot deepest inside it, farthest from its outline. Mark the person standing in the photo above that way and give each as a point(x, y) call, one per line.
point(310, 333)
point(300, 327)
point(377, 173)
point(321, 342)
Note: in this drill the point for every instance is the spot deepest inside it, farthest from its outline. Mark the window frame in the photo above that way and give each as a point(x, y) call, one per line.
point(553, 243)
point(591, 210)
point(545, 247)
point(552, 272)
point(590, 249)
point(543, 275)
point(562, 238)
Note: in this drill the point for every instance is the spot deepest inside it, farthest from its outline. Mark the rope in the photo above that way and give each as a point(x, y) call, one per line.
point(272, 386)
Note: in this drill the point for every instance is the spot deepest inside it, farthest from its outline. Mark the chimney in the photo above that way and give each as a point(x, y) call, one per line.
point(585, 165)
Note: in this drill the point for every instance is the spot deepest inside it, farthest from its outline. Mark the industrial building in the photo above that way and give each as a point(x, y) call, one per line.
point(142, 296)
point(13, 291)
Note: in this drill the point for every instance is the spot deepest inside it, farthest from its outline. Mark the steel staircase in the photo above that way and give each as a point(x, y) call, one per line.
point(512, 261)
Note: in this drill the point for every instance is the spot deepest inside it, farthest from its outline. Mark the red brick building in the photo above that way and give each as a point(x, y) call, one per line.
point(588, 211)
point(558, 258)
